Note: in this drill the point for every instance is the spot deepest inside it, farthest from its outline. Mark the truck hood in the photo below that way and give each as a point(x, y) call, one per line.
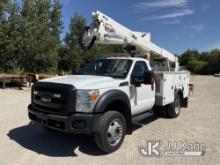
point(85, 81)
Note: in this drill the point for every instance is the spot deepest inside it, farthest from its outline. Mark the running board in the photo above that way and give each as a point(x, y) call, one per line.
point(141, 116)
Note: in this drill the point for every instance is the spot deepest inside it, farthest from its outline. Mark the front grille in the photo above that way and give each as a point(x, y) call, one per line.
point(54, 98)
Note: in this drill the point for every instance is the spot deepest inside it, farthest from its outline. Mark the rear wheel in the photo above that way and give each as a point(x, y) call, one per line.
point(110, 131)
point(174, 108)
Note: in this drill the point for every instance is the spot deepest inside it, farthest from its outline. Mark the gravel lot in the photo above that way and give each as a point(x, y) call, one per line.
point(22, 142)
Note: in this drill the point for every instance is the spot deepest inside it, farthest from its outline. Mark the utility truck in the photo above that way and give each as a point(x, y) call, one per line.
point(111, 93)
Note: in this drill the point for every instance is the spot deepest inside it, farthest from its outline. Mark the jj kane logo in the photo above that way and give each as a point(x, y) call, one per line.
point(172, 148)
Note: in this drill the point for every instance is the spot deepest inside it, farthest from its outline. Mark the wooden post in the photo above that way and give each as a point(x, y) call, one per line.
point(29, 81)
point(3, 83)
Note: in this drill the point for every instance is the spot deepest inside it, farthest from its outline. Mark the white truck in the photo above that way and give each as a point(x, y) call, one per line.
point(111, 93)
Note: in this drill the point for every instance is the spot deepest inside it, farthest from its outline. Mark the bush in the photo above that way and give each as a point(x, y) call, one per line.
point(17, 71)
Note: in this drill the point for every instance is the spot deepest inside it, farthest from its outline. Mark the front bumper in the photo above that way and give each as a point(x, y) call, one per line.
point(75, 123)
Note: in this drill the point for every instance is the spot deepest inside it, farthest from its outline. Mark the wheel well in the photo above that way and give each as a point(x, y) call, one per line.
point(180, 93)
point(123, 108)
point(184, 101)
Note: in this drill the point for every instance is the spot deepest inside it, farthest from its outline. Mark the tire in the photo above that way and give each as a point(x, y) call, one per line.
point(173, 110)
point(160, 111)
point(81, 43)
point(110, 131)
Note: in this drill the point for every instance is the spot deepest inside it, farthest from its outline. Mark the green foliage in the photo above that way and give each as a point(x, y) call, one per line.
point(31, 35)
point(214, 61)
point(30, 41)
point(41, 28)
point(198, 67)
point(10, 36)
point(3, 4)
point(189, 55)
point(201, 63)
point(71, 55)
point(17, 70)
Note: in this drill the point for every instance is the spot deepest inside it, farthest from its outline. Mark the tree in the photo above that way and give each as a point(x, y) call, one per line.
point(3, 36)
point(187, 56)
point(197, 67)
point(201, 63)
point(3, 4)
point(56, 24)
point(41, 27)
point(10, 31)
point(72, 56)
point(214, 61)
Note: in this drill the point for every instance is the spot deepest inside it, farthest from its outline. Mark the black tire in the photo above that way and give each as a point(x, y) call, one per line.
point(102, 135)
point(160, 111)
point(81, 34)
point(173, 109)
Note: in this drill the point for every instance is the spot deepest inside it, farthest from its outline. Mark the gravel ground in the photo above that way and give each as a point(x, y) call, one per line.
point(22, 142)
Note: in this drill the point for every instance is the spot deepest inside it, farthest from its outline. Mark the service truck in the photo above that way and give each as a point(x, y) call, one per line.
point(111, 93)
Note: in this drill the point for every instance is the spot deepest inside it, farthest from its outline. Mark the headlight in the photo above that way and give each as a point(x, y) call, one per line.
point(86, 99)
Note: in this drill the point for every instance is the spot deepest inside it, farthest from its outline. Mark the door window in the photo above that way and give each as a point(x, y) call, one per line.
point(140, 69)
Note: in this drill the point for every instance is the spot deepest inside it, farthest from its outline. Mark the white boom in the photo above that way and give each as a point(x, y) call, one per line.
point(108, 31)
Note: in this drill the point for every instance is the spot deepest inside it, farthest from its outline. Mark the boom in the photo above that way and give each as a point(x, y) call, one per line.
point(105, 30)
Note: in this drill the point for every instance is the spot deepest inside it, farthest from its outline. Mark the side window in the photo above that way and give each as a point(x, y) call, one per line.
point(140, 69)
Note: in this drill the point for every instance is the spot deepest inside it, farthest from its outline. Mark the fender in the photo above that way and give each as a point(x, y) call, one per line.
point(112, 96)
point(109, 97)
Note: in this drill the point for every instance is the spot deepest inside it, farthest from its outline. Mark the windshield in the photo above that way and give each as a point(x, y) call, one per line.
point(116, 68)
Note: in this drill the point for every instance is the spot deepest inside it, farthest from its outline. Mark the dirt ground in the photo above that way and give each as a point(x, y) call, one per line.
point(22, 142)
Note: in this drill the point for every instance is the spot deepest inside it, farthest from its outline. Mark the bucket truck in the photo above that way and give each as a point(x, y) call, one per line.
point(111, 93)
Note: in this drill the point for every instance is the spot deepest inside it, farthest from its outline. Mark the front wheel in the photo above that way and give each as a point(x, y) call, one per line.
point(110, 132)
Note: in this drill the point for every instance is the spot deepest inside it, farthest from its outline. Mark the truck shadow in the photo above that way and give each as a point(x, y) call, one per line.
point(57, 144)
point(52, 143)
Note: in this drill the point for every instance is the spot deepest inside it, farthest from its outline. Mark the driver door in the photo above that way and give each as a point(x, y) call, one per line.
point(143, 97)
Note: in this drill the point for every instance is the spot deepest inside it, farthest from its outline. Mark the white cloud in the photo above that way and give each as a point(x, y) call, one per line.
point(177, 8)
point(179, 13)
point(197, 28)
point(161, 4)
point(171, 22)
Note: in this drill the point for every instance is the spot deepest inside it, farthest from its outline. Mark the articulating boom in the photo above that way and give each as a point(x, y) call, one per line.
point(105, 30)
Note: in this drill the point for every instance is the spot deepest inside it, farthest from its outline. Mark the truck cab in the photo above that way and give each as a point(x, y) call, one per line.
point(104, 100)
point(76, 103)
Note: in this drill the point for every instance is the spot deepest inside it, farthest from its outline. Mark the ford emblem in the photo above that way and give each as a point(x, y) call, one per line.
point(45, 99)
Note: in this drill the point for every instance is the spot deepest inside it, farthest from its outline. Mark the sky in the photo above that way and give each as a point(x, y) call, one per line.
point(176, 25)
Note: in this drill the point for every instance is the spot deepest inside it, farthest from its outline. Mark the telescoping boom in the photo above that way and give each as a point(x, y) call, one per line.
point(105, 30)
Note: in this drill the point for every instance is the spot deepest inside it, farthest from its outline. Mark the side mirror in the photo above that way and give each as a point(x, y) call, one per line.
point(146, 79)
point(149, 78)
point(137, 80)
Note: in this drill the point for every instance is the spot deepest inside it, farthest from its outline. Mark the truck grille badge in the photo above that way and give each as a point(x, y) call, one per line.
point(45, 99)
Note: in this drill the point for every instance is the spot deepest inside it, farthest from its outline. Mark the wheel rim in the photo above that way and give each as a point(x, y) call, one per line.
point(115, 132)
point(177, 106)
